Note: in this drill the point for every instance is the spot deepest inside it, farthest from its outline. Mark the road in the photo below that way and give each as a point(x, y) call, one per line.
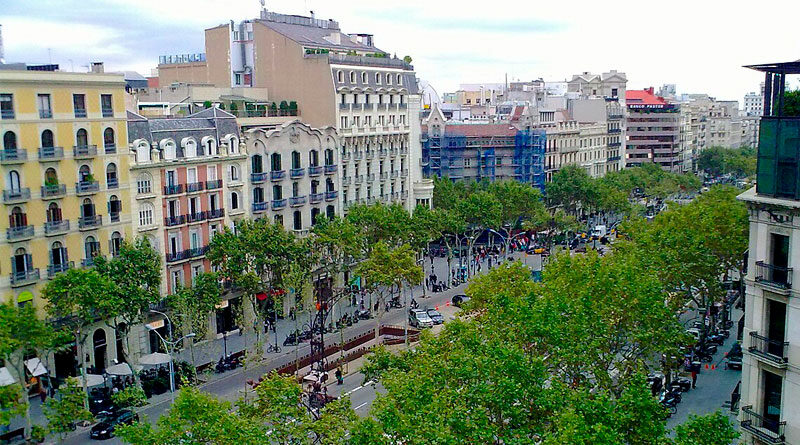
point(231, 385)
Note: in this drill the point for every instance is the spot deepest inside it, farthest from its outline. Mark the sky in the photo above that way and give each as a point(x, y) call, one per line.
point(699, 45)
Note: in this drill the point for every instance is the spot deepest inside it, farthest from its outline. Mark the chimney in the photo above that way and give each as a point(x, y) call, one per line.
point(97, 67)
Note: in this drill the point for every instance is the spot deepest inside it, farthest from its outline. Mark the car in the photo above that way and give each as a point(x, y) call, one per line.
point(419, 318)
point(535, 250)
point(459, 300)
point(435, 316)
point(105, 428)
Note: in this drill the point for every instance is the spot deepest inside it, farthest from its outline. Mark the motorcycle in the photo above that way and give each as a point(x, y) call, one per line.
point(669, 403)
point(681, 383)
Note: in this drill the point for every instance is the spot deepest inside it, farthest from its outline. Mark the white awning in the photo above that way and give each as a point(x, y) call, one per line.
point(6, 378)
point(91, 380)
point(35, 367)
point(120, 369)
point(154, 359)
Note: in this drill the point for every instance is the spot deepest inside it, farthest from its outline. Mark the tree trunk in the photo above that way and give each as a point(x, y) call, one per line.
point(83, 369)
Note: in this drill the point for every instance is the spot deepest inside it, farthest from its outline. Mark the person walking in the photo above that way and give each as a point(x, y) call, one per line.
point(694, 378)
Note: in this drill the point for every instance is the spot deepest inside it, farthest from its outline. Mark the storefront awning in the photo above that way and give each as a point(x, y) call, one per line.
point(154, 359)
point(25, 296)
point(6, 378)
point(91, 380)
point(35, 367)
point(120, 369)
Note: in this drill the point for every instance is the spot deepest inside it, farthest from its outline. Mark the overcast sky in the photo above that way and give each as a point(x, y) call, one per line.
point(700, 45)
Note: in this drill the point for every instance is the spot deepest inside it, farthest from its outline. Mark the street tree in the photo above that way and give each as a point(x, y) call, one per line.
point(380, 223)
point(23, 333)
point(77, 299)
point(12, 403)
point(67, 409)
point(447, 193)
point(518, 202)
point(712, 429)
point(135, 277)
point(193, 304)
point(570, 188)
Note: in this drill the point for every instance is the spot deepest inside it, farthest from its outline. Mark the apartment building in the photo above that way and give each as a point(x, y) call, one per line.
point(770, 384)
point(339, 80)
point(493, 152)
point(653, 133)
point(188, 183)
point(754, 103)
point(571, 142)
point(65, 162)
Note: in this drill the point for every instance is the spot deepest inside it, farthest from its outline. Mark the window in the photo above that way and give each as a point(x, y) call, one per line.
point(276, 162)
point(189, 148)
point(17, 218)
point(114, 207)
point(295, 189)
point(111, 176)
point(378, 78)
point(614, 92)
point(298, 220)
point(388, 79)
point(43, 102)
point(352, 77)
point(197, 269)
point(211, 173)
point(210, 146)
point(296, 159)
point(91, 248)
point(47, 138)
point(6, 106)
point(234, 200)
point(14, 182)
point(58, 257)
point(144, 183)
point(168, 146)
point(277, 192)
point(115, 243)
point(233, 144)
point(9, 140)
point(343, 122)
point(258, 195)
point(177, 279)
point(400, 81)
point(233, 173)
point(53, 212)
point(142, 152)
point(330, 212)
point(257, 166)
point(237, 79)
point(363, 77)
point(108, 139)
point(106, 105)
point(314, 215)
point(328, 156)
point(340, 77)
point(79, 105)
point(146, 215)
point(82, 138)
point(84, 173)
point(313, 158)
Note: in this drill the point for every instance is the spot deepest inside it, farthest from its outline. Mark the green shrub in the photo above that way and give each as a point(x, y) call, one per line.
point(131, 396)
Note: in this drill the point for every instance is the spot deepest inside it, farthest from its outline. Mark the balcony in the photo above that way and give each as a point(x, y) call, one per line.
point(613, 159)
point(90, 222)
point(359, 155)
point(6, 114)
point(330, 169)
point(56, 227)
point(112, 183)
point(195, 217)
point(359, 179)
point(86, 187)
point(50, 154)
point(45, 114)
point(330, 196)
point(110, 149)
point(297, 173)
point(172, 257)
point(383, 152)
point(296, 201)
point(171, 221)
point(315, 170)
point(80, 112)
point(196, 252)
point(344, 106)
point(316, 198)
point(23, 277)
point(54, 191)
point(259, 206)
point(277, 175)
point(404, 173)
point(774, 276)
point(87, 262)
point(767, 430)
point(346, 180)
point(614, 117)
point(108, 112)
point(394, 174)
point(614, 130)
point(213, 185)
point(614, 144)
point(19, 233)
point(258, 177)
point(13, 156)
point(384, 176)
point(84, 151)
point(278, 204)
point(55, 269)
point(215, 214)
point(16, 195)
point(775, 352)
point(194, 187)
point(113, 216)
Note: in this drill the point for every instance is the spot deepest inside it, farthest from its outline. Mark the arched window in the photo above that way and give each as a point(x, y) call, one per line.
point(58, 257)
point(114, 207)
point(108, 138)
point(234, 173)
point(314, 215)
point(116, 242)
point(328, 185)
point(22, 263)
point(210, 146)
point(87, 208)
point(257, 164)
point(328, 156)
point(112, 181)
point(363, 77)
point(82, 138)
point(144, 183)
point(352, 77)
point(313, 158)
point(53, 212)
point(17, 218)
point(50, 177)
point(14, 182)
point(378, 78)
point(234, 200)
point(189, 148)
point(146, 211)
point(47, 138)
point(296, 159)
point(168, 146)
point(84, 173)
point(340, 76)
point(142, 152)
point(298, 220)
point(330, 212)
point(295, 189)
point(399, 79)
point(258, 194)
point(9, 140)
point(91, 248)
point(233, 144)
point(388, 79)
point(276, 162)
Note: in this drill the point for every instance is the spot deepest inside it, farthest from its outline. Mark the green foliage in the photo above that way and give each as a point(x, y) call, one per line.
point(38, 433)
point(12, 403)
point(234, 107)
point(407, 59)
point(293, 105)
point(569, 187)
point(79, 296)
point(132, 396)
point(481, 209)
point(207, 104)
point(66, 409)
point(712, 429)
point(284, 105)
point(380, 223)
point(740, 162)
point(195, 303)
point(791, 103)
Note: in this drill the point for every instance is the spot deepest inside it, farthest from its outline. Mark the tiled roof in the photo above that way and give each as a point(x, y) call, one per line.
point(644, 97)
point(517, 113)
point(315, 36)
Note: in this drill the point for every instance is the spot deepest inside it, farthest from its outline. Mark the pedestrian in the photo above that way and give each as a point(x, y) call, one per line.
point(694, 378)
point(42, 393)
point(339, 379)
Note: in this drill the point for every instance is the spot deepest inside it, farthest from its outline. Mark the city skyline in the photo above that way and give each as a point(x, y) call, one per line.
point(449, 46)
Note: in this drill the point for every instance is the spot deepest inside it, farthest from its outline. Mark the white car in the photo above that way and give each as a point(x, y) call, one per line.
point(419, 318)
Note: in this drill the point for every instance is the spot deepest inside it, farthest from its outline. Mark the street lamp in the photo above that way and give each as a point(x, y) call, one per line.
point(170, 346)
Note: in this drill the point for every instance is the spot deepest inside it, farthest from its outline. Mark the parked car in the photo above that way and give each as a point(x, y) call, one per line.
point(105, 428)
point(459, 300)
point(435, 316)
point(419, 318)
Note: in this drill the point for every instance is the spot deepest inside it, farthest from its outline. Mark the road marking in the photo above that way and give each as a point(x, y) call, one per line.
point(360, 406)
point(367, 383)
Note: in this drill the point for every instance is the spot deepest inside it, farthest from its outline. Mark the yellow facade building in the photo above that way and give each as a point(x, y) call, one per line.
point(64, 162)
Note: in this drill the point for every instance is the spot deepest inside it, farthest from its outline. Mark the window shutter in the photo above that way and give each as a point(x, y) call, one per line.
point(24, 219)
point(28, 262)
point(64, 255)
point(58, 213)
point(11, 221)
